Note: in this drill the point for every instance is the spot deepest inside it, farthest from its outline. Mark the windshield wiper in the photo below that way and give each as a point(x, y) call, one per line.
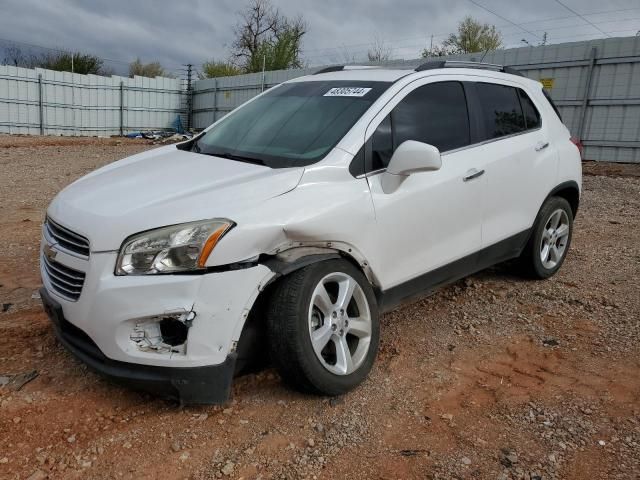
point(233, 156)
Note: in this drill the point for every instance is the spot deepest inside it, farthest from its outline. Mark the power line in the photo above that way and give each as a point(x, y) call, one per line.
point(360, 54)
point(601, 12)
point(578, 15)
point(337, 51)
point(503, 18)
point(511, 24)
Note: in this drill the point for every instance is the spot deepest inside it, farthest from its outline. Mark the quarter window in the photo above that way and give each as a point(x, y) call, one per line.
point(531, 114)
point(435, 114)
point(501, 110)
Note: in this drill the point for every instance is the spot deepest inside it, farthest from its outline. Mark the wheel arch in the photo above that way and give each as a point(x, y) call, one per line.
point(251, 350)
point(570, 191)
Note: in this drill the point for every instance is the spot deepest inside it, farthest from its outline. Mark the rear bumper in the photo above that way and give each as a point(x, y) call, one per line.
point(208, 384)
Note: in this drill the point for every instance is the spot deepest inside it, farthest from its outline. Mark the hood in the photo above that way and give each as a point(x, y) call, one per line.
point(163, 187)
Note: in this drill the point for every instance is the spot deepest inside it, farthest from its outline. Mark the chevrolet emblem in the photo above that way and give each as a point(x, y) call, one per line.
point(49, 252)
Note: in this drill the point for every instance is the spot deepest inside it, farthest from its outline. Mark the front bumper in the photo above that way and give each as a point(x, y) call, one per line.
point(102, 324)
point(187, 385)
point(110, 308)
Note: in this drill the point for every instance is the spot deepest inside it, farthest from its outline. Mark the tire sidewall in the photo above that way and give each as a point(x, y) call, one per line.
point(550, 206)
point(323, 379)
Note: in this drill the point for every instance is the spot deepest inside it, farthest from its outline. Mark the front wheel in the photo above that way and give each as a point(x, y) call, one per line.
point(549, 243)
point(323, 327)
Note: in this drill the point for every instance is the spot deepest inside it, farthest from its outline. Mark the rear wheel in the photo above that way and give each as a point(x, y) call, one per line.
point(549, 243)
point(323, 327)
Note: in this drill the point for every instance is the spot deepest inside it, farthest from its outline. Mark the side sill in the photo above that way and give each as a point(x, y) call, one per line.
point(499, 252)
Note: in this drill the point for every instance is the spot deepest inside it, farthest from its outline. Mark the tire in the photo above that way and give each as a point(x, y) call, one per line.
point(553, 229)
point(299, 307)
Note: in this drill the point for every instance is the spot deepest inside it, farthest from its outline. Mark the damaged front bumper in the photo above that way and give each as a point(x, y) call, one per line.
point(173, 335)
point(187, 385)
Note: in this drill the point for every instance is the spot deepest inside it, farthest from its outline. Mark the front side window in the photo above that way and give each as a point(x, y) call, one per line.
point(435, 114)
point(501, 110)
point(382, 144)
point(296, 124)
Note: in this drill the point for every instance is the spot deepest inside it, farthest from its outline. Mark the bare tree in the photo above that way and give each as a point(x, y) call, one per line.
point(345, 55)
point(14, 56)
point(263, 34)
point(380, 51)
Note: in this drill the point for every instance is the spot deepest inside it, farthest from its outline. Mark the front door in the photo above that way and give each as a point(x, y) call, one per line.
point(433, 218)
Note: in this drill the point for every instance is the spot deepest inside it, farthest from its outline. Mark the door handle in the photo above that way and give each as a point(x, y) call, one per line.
point(541, 146)
point(471, 174)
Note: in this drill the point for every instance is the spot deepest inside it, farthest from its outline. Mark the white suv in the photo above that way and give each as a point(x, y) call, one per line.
point(287, 227)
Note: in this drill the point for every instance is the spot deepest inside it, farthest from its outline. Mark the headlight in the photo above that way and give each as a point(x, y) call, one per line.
point(177, 248)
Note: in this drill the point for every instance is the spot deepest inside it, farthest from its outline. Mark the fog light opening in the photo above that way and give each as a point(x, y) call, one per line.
point(163, 333)
point(173, 331)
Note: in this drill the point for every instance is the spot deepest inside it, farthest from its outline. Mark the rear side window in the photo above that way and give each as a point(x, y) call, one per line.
point(501, 110)
point(435, 114)
point(531, 114)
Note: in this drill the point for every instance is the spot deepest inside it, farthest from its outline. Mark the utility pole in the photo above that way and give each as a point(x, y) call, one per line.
point(189, 95)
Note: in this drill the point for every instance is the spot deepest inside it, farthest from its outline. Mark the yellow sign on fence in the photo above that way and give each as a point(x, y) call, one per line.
point(547, 83)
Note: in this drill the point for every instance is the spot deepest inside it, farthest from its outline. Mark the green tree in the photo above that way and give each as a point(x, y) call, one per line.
point(82, 63)
point(213, 69)
point(472, 37)
point(151, 70)
point(264, 35)
point(279, 54)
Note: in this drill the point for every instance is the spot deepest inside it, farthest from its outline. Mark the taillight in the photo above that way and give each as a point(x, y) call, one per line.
point(578, 143)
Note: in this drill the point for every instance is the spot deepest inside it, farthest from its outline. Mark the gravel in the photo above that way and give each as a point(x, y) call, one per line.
point(492, 377)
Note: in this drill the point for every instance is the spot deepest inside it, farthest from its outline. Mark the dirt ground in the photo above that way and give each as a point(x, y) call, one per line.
point(494, 377)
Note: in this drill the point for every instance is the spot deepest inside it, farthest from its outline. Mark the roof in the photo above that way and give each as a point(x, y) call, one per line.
point(373, 73)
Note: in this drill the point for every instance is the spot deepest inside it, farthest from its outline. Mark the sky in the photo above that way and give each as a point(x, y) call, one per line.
point(193, 31)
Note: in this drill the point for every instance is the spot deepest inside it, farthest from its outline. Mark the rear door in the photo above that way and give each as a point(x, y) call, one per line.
point(519, 160)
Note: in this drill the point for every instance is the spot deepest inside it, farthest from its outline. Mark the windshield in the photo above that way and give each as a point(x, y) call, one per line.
point(295, 124)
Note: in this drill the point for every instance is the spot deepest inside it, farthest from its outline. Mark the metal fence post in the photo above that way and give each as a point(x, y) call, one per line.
point(121, 108)
point(215, 98)
point(587, 89)
point(189, 97)
point(40, 104)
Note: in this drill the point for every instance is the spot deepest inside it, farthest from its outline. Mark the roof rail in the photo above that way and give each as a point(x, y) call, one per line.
point(339, 68)
point(334, 68)
point(464, 64)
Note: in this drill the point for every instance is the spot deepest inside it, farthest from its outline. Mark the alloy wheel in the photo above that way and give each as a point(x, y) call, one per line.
point(555, 237)
point(339, 323)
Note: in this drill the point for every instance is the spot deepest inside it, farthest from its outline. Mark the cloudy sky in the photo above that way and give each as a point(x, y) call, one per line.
point(192, 31)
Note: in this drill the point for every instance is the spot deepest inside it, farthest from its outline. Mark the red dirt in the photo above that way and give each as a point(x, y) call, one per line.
point(468, 382)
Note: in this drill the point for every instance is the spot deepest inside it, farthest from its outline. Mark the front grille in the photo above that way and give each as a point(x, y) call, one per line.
point(66, 238)
point(65, 281)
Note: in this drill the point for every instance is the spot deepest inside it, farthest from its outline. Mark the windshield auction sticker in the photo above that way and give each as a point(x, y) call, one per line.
point(347, 92)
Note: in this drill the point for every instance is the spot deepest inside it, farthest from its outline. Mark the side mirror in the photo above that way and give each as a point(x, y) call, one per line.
point(410, 157)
